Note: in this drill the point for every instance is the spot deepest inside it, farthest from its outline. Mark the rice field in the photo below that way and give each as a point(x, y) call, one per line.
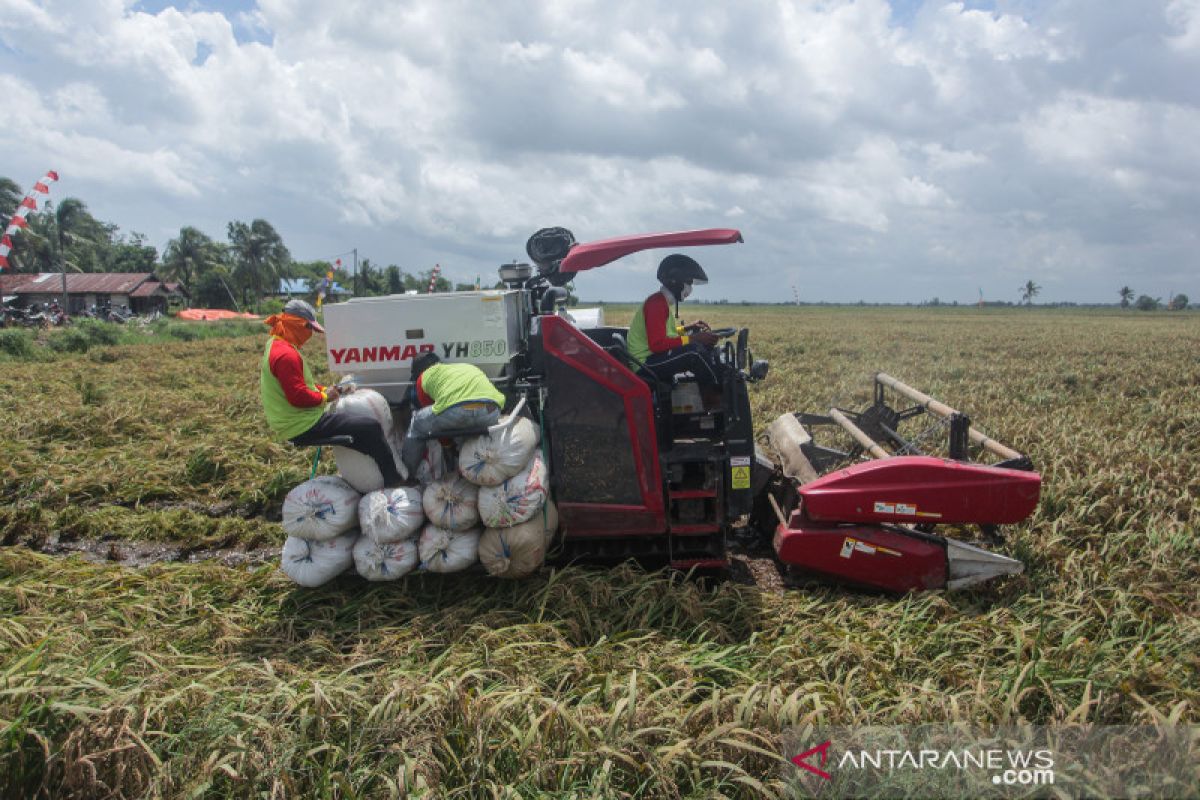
point(221, 678)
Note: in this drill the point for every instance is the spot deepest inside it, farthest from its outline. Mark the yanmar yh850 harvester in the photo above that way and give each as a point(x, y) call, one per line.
point(661, 471)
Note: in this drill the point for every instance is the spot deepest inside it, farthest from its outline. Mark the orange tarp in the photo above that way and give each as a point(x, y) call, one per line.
point(213, 314)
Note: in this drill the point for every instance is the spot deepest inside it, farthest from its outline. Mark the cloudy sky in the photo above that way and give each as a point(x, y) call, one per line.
point(866, 149)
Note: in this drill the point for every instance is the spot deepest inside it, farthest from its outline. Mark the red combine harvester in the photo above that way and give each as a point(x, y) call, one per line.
point(668, 472)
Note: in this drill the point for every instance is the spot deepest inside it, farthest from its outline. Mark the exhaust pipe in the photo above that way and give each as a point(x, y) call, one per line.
point(968, 565)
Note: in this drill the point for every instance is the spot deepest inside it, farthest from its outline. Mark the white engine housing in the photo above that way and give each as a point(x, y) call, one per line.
point(376, 338)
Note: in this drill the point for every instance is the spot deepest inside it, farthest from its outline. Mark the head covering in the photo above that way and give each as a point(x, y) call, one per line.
point(422, 363)
point(299, 308)
point(292, 329)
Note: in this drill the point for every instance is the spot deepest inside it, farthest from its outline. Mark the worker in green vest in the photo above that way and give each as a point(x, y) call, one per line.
point(657, 343)
point(298, 409)
point(449, 396)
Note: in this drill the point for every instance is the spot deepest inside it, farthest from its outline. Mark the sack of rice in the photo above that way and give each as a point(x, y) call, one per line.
point(516, 499)
point(384, 562)
point(447, 551)
point(359, 469)
point(320, 508)
point(435, 463)
point(519, 551)
point(489, 460)
point(311, 563)
point(452, 503)
point(391, 515)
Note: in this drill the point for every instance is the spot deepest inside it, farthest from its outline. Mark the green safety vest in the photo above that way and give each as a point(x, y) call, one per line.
point(285, 419)
point(451, 384)
point(638, 343)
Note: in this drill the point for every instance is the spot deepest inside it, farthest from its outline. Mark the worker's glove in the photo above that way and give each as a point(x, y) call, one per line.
point(698, 326)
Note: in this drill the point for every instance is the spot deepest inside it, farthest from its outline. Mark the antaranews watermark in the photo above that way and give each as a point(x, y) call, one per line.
point(954, 761)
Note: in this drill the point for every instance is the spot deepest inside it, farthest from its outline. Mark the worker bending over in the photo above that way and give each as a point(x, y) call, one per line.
point(296, 407)
point(450, 396)
point(656, 340)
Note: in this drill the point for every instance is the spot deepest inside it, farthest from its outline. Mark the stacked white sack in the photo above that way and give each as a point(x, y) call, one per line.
point(384, 562)
point(490, 460)
point(359, 469)
point(519, 551)
point(448, 551)
point(452, 503)
point(320, 509)
point(517, 499)
point(391, 515)
point(311, 563)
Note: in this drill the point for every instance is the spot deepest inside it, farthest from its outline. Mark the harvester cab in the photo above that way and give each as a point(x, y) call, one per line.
point(666, 470)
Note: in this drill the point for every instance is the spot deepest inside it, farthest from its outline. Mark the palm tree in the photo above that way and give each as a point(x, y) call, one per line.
point(190, 255)
point(1029, 291)
point(10, 195)
point(260, 257)
point(1126, 296)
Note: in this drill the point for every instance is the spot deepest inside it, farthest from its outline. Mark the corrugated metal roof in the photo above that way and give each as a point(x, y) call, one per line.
point(83, 282)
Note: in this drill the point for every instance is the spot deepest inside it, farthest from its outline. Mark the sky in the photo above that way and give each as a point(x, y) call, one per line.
point(867, 150)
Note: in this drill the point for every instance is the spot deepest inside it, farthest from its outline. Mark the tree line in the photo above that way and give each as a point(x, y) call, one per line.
point(236, 273)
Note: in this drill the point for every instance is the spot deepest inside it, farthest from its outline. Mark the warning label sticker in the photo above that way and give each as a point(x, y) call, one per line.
point(848, 548)
point(908, 509)
point(739, 477)
point(884, 508)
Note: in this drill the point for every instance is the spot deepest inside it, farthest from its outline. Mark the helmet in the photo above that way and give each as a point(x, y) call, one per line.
point(423, 362)
point(676, 270)
point(301, 309)
point(549, 246)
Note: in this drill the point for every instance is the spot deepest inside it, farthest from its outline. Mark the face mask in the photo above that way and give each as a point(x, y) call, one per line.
point(686, 292)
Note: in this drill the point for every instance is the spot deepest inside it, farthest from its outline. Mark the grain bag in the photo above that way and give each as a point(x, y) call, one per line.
point(448, 551)
point(311, 563)
point(359, 469)
point(391, 515)
point(489, 460)
point(452, 503)
point(384, 562)
point(320, 509)
point(517, 499)
point(519, 551)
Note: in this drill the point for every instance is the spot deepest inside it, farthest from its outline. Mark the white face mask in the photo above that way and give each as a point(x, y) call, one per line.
point(686, 292)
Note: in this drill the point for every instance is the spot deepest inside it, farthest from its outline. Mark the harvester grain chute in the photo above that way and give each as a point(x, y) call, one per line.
point(667, 471)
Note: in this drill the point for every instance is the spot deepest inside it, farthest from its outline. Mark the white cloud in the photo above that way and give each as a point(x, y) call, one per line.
point(960, 145)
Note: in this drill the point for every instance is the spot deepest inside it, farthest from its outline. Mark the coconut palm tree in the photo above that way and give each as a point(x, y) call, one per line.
point(1029, 291)
point(1126, 296)
point(190, 255)
point(259, 255)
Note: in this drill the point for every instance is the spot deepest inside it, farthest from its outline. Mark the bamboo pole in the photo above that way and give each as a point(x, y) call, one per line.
point(866, 441)
point(943, 410)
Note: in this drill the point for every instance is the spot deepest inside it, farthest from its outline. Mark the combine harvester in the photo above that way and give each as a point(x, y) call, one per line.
point(664, 472)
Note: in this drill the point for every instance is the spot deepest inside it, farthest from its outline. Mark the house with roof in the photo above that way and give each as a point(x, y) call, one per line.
point(140, 292)
point(306, 287)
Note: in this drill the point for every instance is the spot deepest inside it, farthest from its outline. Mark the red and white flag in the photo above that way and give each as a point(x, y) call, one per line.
point(18, 221)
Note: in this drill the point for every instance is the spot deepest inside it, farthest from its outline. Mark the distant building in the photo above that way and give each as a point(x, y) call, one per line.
point(140, 292)
point(306, 287)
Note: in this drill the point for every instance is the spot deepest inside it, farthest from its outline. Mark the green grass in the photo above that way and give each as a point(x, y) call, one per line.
point(201, 680)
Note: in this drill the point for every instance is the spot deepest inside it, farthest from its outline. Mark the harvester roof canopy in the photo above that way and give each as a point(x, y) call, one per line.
point(605, 251)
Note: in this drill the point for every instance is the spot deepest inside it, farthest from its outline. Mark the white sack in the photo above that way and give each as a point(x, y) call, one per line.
point(446, 551)
point(359, 469)
point(519, 551)
point(310, 563)
point(384, 562)
point(489, 460)
point(320, 508)
point(391, 515)
point(452, 503)
point(517, 499)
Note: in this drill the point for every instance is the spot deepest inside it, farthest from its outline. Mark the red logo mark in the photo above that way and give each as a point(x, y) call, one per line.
point(823, 749)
